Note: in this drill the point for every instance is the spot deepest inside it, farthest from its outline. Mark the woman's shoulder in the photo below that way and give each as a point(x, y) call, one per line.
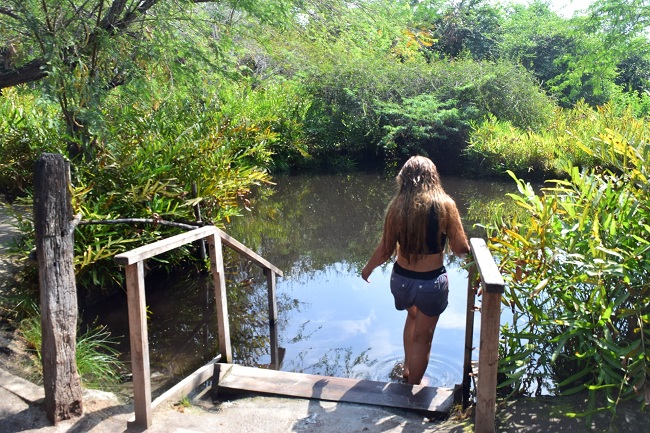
point(447, 201)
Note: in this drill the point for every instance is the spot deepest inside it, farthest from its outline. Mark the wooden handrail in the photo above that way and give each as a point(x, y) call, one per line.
point(134, 263)
point(247, 252)
point(493, 286)
point(147, 251)
point(491, 278)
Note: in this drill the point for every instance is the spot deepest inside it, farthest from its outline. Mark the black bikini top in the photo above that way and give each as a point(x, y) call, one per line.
point(432, 234)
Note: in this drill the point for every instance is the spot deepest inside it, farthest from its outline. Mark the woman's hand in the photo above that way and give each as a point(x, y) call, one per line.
point(365, 273)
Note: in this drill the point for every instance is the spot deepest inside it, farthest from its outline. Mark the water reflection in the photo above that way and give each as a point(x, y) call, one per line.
point(319, 230)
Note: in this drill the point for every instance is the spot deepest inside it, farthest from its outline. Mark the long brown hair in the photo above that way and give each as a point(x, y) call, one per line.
point(407, 217)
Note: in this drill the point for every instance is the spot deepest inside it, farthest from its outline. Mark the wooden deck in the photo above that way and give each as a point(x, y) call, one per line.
point(413, 397)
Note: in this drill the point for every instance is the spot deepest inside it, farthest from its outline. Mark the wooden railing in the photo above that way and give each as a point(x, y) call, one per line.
point(492, 286)
point(134, 262)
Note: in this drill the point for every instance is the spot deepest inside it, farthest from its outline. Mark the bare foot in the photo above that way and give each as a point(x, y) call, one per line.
point(397, 372)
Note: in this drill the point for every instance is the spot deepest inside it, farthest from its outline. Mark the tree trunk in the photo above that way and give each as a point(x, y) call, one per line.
point(53, 223)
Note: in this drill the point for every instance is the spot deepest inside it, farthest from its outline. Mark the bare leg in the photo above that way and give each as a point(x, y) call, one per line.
point(409, 327)
point(420, 347)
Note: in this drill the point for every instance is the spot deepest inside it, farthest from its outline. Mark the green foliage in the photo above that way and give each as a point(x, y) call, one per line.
point(461, 28)
point(96, 357)
point(27, 125)
point(496, 146)
point(412, 126)
point(580, 58)
point(416, 106)
point(576, 269)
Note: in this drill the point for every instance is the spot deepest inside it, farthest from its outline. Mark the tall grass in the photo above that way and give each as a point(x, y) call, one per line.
point(96, 356)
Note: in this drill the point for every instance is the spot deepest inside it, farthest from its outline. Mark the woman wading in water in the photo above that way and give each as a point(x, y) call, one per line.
point(420, 219)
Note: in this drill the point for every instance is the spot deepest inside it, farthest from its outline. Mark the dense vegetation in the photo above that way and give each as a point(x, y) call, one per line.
point(151, 98)
point(576, 264)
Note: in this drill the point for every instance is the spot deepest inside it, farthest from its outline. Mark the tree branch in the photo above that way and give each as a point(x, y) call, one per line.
point(29, 72)
point(9, 13)
point(113, 13)
point(35, 69)
point(143, 221)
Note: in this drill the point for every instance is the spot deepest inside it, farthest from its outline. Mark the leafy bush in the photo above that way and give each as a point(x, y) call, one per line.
point(27, 126)
point(145, 155)
point(576, 268)
point(497, 146)
point(417, 124)
point(416, 107)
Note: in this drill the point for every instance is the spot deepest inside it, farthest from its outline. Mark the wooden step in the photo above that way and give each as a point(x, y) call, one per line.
point(414, 397)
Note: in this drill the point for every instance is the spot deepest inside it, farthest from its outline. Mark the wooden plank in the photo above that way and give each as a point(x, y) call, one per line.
point(139, 344)
point(273, 318)
point(147, 251)
point(187, 385)
point(219, 278)
point(413, 397)
point(490, 276)
point(247, 252)
point(488, 357)
point(469, 336)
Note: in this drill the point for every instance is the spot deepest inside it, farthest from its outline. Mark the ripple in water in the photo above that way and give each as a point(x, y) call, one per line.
point(441, 371)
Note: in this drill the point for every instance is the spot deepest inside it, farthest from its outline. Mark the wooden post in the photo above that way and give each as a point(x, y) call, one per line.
point(219, 278)
point(469, 335)
point(54, 227)
point(488, 361)
point(139, 344)
point(488, 356)
point(273, 318)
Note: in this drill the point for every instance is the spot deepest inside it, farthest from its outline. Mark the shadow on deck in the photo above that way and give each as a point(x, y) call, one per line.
point(432, 401)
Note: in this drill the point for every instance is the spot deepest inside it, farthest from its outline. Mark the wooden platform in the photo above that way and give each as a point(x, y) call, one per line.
point(414, 397)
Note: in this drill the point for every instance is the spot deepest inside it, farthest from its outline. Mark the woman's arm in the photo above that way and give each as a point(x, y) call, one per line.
point(378, 258)
point(455, 232)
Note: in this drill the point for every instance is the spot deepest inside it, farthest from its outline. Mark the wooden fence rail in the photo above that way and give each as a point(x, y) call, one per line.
point(134, 262)
point(492, 286)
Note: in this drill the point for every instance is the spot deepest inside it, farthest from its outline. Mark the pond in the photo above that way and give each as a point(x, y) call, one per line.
point(320, 230)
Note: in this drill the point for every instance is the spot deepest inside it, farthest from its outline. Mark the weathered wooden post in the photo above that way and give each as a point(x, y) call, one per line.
point(139, 340)
point(219, 278)
point(488, 355)
point(469, 335)
point(273, 318)
point(54, 226)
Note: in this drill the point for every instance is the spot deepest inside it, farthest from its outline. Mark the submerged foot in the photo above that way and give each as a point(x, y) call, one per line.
point(398, 373)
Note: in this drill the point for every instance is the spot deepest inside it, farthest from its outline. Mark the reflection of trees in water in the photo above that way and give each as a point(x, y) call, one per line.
point(339, 362)
point(182, 321)
point(312, 222)
point(248, 310)
point(314, 225)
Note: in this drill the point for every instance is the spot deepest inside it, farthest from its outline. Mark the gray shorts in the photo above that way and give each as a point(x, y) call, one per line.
point(429, 291)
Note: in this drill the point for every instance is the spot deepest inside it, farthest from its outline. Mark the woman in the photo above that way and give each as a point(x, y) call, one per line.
point(420, 219)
